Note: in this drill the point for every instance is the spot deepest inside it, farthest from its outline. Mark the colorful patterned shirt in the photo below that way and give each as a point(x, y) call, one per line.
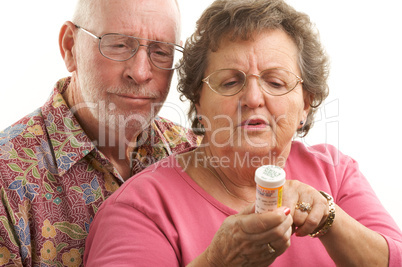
point(53, 180)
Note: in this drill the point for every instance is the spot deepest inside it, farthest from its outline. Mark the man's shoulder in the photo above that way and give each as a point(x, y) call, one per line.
point(20, 146)
point(175, 133)
point(166, 123)
point(33, 126)
point(27, 128)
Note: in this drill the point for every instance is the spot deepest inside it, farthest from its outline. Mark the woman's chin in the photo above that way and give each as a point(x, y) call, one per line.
point(254, 156)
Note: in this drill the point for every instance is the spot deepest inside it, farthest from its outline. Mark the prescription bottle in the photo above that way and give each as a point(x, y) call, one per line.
point(269, 181)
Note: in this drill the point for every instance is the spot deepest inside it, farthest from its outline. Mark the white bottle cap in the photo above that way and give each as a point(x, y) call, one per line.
point(270, 176)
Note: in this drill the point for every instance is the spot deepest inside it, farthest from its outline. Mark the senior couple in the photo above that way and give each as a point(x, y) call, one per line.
point(255, 73)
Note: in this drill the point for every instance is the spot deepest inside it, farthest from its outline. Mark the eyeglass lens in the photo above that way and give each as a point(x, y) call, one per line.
point(121, 47)
point(273, 81)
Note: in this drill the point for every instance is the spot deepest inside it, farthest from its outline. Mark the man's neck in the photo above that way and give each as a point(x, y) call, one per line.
point(119, 157)
point(115, 147)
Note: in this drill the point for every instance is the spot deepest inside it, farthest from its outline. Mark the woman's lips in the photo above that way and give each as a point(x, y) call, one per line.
point(254, 124)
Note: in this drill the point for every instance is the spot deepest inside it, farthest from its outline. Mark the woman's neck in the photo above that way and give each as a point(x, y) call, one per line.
point(220, 181)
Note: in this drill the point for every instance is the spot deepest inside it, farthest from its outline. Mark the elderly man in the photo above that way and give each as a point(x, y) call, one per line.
point(98, 128)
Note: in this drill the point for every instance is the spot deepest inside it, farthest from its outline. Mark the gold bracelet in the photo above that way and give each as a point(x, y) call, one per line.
point(330, 220)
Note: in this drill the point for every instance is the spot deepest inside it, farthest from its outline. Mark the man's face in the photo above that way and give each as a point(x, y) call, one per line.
point(129, 93)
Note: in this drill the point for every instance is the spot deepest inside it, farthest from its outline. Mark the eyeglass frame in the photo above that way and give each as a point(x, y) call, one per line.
point(180, 48)
point(206, 80)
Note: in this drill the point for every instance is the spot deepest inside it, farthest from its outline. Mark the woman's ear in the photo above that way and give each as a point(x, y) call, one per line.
point(66, 45)
point(306, 109)
point(308, 99)
point(199, 117)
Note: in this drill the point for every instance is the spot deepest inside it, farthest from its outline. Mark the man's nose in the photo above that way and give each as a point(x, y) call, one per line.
point(139, 67)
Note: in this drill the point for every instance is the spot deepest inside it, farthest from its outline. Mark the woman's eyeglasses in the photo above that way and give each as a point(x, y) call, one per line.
point(274, 81)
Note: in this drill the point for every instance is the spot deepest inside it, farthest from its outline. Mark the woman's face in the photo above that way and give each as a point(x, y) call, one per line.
point(252, 122)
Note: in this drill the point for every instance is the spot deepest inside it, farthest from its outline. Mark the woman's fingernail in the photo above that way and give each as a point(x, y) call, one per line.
point(286, 211)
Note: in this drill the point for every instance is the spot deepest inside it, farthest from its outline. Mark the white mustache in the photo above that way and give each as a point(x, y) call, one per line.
point(140, 91)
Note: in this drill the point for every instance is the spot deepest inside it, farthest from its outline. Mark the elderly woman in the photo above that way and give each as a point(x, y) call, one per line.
point(255, 73)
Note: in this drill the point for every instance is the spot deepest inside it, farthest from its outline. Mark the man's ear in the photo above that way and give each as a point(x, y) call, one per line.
point(66, 44)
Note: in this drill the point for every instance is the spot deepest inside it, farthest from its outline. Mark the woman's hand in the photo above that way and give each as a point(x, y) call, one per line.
point(250, 239)
point(305, 221)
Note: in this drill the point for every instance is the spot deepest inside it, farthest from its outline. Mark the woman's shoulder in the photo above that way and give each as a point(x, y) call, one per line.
point(319, 153)
point(324, 159)
point(322, 166)
point(163, 175)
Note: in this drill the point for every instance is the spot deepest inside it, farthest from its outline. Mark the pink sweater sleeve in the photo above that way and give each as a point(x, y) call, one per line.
point(326, 168)
point(359, 200)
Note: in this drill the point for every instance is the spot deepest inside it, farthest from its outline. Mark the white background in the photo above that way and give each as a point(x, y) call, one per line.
point(361, 116)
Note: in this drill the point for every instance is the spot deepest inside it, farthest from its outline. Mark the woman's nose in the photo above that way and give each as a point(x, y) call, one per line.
point(252, 96)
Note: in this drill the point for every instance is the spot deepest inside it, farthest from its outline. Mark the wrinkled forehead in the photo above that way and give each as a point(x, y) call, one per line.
point(263, 49)
point(137, 17)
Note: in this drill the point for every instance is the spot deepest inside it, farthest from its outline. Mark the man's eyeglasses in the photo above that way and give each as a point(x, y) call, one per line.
point(229, 82)
point(120, 47)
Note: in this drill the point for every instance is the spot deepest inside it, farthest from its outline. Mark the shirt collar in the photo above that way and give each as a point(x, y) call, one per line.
point(69, 141)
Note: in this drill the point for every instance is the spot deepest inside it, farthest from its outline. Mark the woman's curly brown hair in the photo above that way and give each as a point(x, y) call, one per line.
point(241, 19)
